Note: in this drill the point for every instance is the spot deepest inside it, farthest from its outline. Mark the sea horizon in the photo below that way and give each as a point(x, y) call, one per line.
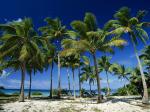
point(45, 92)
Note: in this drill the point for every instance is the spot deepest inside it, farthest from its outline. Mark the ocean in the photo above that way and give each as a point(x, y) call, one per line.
point(45, 93)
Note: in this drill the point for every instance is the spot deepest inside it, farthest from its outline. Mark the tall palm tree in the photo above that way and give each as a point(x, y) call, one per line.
point(36, 63)
point(49, 51)
point(104, 63)
point(56, 31)
point(65, 62)
point(19, 44)
point(73, 61)
point(92, 39)
point(68, 51)
point(125, 23)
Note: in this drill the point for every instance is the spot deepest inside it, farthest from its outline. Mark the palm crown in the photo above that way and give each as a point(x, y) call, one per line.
point(125, 23)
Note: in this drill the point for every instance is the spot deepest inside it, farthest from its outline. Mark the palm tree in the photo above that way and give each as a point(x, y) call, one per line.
point(135, 79)
point(36, 63)
point(49, 50)
point(92, 39)
point(122, 72)
point(104, 63)
point(56, 32)
point(124, 23)
point(73, 63)
point(19, 44)
point(145, 57)
point(87, 74)
point(65, 62)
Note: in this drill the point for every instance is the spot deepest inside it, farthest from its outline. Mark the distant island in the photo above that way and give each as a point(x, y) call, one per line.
point(1, 87)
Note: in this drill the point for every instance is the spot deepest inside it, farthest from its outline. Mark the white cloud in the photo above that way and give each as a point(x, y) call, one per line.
point(19, 20)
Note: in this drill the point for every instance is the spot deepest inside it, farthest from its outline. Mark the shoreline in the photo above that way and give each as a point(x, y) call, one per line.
point(113, 104)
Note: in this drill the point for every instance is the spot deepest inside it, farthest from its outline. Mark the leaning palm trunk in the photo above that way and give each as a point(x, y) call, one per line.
point(98, 79)
point(59, 81)
point(21, 97)
point(68, 79)
point(51, 83)
point(73, 83)
point(108, 85)
point(145, 94)
point(29, 94)
point(79, 81)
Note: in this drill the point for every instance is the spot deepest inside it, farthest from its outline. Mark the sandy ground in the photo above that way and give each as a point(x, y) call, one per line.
point(117, 104)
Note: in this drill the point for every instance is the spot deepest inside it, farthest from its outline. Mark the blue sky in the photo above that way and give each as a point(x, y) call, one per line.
point(69, 10)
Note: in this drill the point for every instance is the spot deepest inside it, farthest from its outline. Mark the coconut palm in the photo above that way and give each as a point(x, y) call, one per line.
point(145, 57)
point(87, 74)
point(68, 51)
point(65, 62)
point(92, 39)
point(122, 72)
point(73, 63)
point(19, 44)
point(36, 63)
point(125, 23)
point(49, 51)
point(104, 63)
point(135, 79)
point(56, 32)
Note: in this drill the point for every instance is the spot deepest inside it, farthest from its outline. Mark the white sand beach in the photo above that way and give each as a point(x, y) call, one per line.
point(118, 104)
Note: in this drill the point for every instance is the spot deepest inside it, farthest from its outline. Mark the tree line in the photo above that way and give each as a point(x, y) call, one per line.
point(24, 49)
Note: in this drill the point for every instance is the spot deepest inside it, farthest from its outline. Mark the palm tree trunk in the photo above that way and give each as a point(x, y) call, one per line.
point(29, 94)
point(73, 83)
point(98, 79)
point(21, 83)
point(68, 78)
point(79, 81)
point(21, 97)
point(145, 95)
point(90, 87)
point(51, 83)
point(59, 81)
point(108, 85)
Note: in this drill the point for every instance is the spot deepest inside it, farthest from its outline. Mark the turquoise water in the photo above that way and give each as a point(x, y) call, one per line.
point(44, 92)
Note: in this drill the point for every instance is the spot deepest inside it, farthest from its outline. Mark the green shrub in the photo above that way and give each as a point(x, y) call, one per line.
point(2, 93)
point(36, 93)
point(121, 91)
point(104, 90)
point(15, 93)
point(82, 92)
point(55, 92)
point(63, 92)
point(128, 90)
